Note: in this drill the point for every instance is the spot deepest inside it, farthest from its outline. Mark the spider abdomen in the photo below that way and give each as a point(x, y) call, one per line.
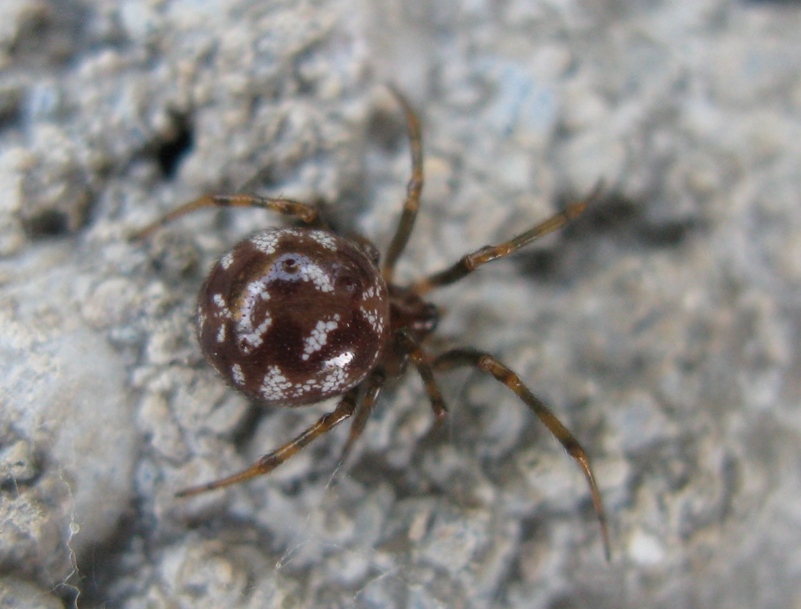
point(292, 316)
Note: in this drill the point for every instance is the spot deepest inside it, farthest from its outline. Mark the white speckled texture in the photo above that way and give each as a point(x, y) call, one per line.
point(663, 327)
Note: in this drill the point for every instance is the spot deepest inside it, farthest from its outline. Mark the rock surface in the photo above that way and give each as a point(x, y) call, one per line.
point(662, 327)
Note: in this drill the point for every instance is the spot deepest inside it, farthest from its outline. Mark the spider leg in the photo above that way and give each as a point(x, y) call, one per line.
point(376, 382)
point(374, 385)
point(424, 368)
point(487, 363)
point(470, 262)
point(271, 460)
point(413, 189)
point(303, 211)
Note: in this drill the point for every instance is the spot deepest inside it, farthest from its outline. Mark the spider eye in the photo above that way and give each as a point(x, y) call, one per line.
point(347, 283)
point(290, 266)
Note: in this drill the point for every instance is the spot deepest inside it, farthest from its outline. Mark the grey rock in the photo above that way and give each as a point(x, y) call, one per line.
point(661, 327)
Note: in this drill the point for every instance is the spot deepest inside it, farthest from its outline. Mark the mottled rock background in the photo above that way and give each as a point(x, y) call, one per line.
point(663, 326)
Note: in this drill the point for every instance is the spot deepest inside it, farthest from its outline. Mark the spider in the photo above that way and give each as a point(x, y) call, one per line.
point(292, 316)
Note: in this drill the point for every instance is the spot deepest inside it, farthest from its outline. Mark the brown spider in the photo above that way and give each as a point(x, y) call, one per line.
point(292, 316)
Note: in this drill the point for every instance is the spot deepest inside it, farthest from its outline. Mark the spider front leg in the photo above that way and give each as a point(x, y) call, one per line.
point(303, 211)
point(413, 189)
point(374, 385)
point(470, 262)
point(483, 361)
point(270, 461)
point(424, 368)
point(377, 379)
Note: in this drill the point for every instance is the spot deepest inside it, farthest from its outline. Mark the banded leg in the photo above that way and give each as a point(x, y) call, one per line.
point(376, 382)
point(374, 385)
point(470, 262)
point(426, 372)
point(413, 189)
point(271, 460)
point(303, 211)
point(487, 363)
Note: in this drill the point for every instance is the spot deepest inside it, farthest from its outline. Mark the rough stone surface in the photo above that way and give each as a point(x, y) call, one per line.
point(662, 327)
point(20, 594)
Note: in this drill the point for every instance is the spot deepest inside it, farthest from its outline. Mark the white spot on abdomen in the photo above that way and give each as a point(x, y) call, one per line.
point(319, 336)
point(265, 241)
point(237, 374)
point(274, 385)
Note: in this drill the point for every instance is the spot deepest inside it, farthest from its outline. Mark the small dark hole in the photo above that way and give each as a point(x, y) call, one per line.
point(611, 213)
point(668, 234)
point(387, 131)
point(539, 263)
point(175, 147)
point(49, 223)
